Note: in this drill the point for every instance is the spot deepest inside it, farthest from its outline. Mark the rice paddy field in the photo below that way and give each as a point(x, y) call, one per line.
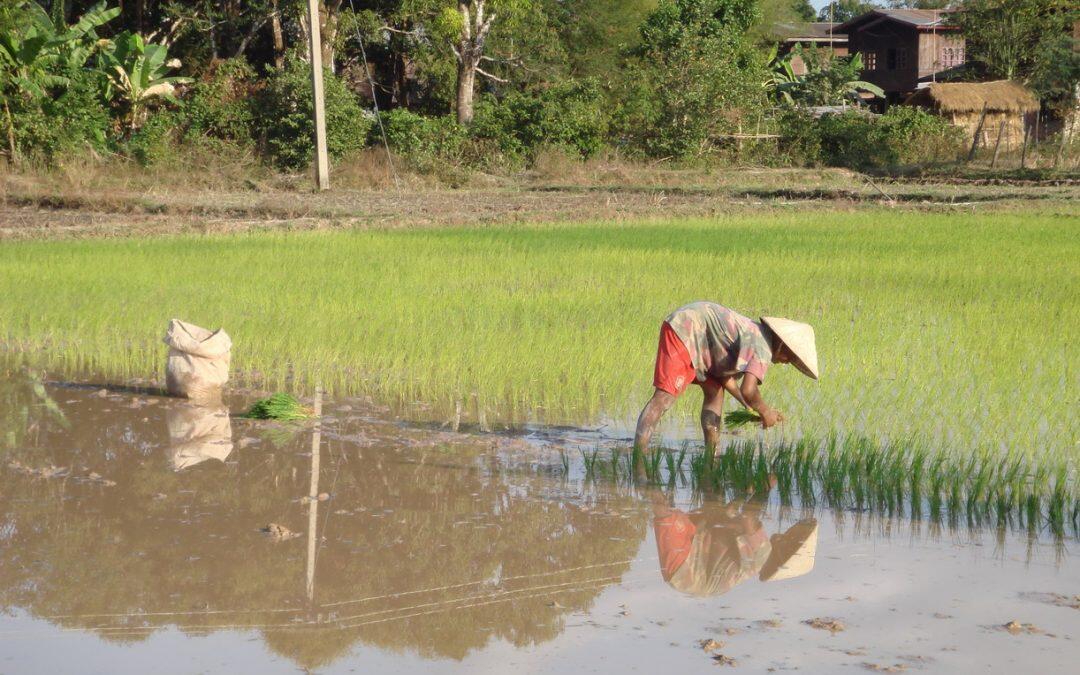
point(466, 498)
point(953, 329)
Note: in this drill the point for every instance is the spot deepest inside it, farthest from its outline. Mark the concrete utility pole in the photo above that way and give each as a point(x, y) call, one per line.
point(322, 162)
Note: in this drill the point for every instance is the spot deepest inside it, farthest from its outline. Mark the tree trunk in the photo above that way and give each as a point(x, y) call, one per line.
point(278, 36)
point(329, 16)
point(470, 49)
point(13, 150)
point(466, 83)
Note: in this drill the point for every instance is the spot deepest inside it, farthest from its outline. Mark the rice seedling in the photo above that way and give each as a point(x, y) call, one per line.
point(282, 407)
point(935, 311)
point(434, 315)
point(589, 460)
point(896, 480)
point(737, 419)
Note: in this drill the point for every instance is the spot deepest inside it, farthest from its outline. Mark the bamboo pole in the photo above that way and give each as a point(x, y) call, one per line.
point(1023, 150)
point(997, 144)
point(978, 133)
point(1061, 148)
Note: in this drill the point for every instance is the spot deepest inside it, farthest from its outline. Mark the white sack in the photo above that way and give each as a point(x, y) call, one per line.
point(198, 364)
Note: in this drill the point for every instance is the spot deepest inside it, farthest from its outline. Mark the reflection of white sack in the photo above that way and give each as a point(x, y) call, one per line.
point(198, 433)
point(198, 364)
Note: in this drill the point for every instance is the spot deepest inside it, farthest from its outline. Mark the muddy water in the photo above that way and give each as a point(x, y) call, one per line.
point(132, 540)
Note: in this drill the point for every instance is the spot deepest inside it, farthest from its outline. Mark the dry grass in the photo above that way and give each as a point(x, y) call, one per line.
point(206, 193)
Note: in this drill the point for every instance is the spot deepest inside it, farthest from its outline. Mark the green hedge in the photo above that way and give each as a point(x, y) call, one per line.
point(284, 117)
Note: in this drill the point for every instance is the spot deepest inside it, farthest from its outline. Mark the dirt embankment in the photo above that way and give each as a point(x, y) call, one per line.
point(52, 206)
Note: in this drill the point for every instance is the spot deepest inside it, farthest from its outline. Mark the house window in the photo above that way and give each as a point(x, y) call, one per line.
point(954, 56)
point(870, 60)
point(901, 59)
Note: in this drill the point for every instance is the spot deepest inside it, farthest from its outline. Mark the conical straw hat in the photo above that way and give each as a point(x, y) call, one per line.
point(792, 552)
point(799, 338)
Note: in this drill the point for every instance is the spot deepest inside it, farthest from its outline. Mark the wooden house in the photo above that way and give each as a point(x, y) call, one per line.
point(814, 35)
point(901, 46)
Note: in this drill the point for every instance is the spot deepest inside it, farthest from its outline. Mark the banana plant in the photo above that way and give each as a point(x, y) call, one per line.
point(38, 55)
point(138, 74)
point(828, 80)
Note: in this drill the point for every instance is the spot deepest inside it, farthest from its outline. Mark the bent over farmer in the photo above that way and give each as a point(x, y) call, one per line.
point(721, 350)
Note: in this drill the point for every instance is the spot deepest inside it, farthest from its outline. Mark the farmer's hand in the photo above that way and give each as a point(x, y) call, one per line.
point(770, 417)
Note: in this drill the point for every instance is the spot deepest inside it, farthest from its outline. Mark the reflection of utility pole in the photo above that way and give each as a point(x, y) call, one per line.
point(322, 164)
point(313, 496)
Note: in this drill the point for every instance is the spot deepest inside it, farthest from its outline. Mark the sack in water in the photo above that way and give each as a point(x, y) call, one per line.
point(198, 364)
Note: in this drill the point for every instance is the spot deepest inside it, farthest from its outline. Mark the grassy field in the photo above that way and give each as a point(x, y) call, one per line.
point(957, 329)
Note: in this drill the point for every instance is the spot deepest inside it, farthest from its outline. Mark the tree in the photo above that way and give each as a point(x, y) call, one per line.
point(695, 74)
point(475, 25)
point(803, 9)
point(919, 4)
point(775, 13)
point(596, 32)
point(1056, 75)
point(845, 10)
point(1003, 36)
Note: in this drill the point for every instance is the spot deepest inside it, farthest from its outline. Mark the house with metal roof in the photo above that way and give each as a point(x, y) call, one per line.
point(815, 34)
point(901, 47)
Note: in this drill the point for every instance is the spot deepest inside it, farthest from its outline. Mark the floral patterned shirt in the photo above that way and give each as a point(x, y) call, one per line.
point(722, 343)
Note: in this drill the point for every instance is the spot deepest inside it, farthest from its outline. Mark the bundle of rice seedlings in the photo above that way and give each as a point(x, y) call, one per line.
point(278, 407)
point(737, 419)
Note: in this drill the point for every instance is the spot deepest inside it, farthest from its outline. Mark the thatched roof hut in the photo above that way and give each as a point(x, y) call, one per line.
point(1002, 96)
point(1008, 107)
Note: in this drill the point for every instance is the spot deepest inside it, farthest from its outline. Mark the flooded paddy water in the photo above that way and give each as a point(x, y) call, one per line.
point(143, 534)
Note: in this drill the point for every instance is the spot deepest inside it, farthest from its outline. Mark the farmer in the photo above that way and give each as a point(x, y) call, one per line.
point(718, 546)
point(721, 350)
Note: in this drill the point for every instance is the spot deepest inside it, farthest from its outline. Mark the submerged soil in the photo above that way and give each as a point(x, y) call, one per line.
point(140, 533)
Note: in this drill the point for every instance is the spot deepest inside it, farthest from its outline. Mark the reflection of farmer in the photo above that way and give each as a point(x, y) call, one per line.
point(717, 547)
point(714, 347)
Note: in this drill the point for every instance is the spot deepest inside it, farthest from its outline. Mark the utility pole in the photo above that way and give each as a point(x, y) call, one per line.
point(322, 163)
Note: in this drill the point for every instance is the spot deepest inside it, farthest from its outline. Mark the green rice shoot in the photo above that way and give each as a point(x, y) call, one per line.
point(282, 407)
point(737, 419)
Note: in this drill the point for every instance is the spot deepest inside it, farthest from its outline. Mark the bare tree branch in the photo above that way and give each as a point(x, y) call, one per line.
point(490, 76)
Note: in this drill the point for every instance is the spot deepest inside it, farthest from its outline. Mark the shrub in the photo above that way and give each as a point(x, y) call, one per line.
point(423, 141)
point(156, 139)
point(901, 137)
point(916, 136)
point(74, 121)
point(284, 117)
point(800, 138)
point(220, 105)
point(570, 114)
point(849, 139)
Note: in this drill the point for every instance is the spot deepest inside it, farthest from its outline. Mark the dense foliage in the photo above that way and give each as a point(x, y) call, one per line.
point(482, 84)
point(1027, 40)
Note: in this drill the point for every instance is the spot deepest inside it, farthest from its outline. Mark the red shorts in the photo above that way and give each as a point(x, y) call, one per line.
point(674, 371)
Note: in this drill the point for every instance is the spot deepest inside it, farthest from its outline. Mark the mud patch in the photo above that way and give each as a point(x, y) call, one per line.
point(834, 626)
point(277, 532)
point(1055, 599)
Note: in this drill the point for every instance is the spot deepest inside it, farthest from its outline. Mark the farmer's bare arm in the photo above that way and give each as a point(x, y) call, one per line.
point(659, 404)
point(732, 387)
point(752, 395)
